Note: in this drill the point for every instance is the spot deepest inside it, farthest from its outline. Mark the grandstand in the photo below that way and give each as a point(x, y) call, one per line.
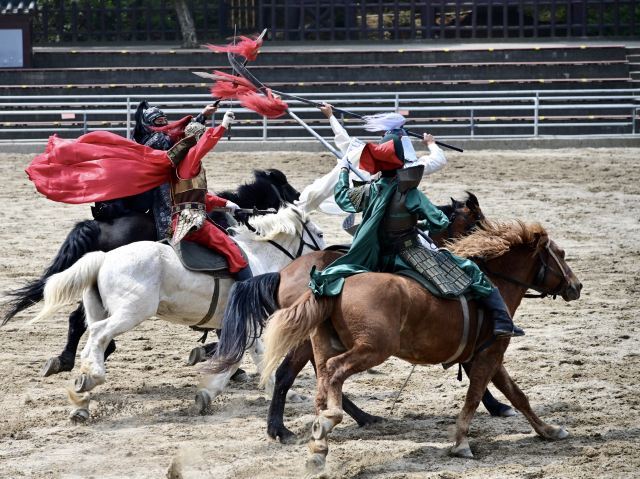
point(456, 89)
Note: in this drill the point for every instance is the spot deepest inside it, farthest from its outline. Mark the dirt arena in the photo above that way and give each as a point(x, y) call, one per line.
point(579, 362)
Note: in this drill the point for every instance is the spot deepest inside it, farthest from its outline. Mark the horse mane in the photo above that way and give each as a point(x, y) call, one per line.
point(495, 238)
point(260, 192)
point(287, 221)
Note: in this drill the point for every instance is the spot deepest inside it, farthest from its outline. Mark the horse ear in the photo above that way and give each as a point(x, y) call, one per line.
point(453, 201)
point(472, 201)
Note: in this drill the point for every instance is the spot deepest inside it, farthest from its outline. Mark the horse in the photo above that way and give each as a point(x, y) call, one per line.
point(379, 315)
point(269, 189)
point(245, 312)
point(123, 287)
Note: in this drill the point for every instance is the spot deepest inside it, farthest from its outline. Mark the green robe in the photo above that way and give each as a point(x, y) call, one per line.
point(366, 252)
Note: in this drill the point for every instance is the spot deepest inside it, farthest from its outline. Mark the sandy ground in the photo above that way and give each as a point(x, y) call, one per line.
point(578, 363)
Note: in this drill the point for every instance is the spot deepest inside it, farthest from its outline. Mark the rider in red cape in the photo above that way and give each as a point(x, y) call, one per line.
point(100, 166)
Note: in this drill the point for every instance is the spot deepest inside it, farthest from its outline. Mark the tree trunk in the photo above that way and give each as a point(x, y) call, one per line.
point(187, 27)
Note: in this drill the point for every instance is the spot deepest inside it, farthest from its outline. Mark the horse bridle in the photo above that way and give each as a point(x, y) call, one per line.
point(539, 277)
point(303, 243)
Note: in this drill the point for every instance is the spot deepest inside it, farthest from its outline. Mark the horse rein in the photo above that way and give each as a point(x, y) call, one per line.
point(303, 243)
point(539, 277)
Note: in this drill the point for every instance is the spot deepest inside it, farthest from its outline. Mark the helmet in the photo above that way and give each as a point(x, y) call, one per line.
point(150, 115)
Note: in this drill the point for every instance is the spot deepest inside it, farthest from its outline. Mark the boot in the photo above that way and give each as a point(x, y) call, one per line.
point(502, 323)
point(243, 274)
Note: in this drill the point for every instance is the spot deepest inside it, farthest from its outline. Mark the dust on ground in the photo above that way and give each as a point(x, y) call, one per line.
point(578, 362)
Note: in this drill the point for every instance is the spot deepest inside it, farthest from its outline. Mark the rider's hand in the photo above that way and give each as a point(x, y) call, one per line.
point(343, 162)
point(209, 110)
point(232, 205)
point(428, 139)
point(326, 109)
point(229, 117)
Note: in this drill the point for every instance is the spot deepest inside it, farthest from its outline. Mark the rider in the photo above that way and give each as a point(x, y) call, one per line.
point(148, 131)
point(191, 200)
point(387, 239)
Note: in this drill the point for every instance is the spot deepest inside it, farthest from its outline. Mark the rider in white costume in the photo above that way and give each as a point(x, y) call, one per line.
point(319, 194)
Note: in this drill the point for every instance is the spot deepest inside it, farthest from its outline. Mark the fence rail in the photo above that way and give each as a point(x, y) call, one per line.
point(335, 20)
point(529, 113)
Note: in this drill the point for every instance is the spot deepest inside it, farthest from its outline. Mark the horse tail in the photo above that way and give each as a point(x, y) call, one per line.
point(80, 240)
point(249, 305)
point(66, 287)
point(289, 327)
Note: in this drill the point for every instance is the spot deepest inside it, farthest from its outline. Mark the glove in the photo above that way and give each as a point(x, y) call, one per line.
point(229, 117)
point(343, 162)
point(232, 205)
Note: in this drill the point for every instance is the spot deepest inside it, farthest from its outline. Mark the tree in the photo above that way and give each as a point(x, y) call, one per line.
point(187, 26)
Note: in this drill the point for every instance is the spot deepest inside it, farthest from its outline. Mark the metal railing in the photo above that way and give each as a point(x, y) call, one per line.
point(498, 114)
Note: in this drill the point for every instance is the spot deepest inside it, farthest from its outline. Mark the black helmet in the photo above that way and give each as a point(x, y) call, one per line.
point(145, 116)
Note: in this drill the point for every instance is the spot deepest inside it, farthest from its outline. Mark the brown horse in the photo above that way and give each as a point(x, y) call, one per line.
point(249, 300)
point(379, 315)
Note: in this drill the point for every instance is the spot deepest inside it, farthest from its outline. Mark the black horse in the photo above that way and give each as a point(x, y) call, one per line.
point(269, 190)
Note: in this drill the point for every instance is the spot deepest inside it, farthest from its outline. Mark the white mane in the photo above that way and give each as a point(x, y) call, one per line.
point(287, 221)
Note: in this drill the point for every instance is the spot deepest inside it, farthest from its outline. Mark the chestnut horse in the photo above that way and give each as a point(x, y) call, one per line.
point(379, 315)
point(250, 302)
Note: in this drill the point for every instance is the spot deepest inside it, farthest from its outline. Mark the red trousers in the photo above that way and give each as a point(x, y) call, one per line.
point(214, 238)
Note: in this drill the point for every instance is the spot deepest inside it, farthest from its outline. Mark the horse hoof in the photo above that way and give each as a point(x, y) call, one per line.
point(203, 401)
point(79, 416)
point(51, 367)
point(240, 376)
point(196, 356)
point(83, 383)
point(463, 452)
point(320, 428)
point(295, 397)
point(368, 420)
point(315, 464)
point(507, 411)
point(559, 434)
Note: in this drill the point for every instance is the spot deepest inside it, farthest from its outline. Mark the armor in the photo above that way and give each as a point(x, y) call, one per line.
point(398, 223)
point(188, 197)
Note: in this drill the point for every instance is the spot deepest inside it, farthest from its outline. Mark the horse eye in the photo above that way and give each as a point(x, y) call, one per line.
point(321, 235)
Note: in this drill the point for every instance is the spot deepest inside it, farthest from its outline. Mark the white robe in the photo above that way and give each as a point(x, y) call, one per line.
point(319, 194)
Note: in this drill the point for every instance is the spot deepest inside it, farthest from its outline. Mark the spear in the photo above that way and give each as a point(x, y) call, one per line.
point(244, 71)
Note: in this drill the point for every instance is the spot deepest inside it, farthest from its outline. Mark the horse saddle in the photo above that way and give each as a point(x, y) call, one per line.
point(437, 268)
point(195, 257)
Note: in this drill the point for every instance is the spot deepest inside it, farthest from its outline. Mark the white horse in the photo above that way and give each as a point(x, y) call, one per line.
point(123, 287)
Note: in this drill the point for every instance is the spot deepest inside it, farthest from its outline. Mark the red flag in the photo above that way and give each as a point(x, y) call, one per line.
point(247, 47)
point(236, 80)
point(225, 90)
point(266, 105)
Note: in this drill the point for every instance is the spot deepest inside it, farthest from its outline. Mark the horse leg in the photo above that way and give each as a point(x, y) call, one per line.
point(510, 389)
point(102, 330)
point(482, 370)
point(336, 371)
point(67, 358)
point(495, 407)
point(210, 387)
point(285, 376)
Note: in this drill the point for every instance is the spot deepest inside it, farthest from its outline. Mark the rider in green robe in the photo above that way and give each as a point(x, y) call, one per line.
point(393, 208)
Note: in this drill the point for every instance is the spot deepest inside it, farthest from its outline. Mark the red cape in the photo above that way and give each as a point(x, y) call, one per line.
point(98, 166)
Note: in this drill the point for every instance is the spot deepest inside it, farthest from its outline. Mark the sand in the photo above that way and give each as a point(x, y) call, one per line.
point(578, 363)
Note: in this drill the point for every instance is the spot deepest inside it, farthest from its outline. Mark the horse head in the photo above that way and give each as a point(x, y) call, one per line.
point(280, 184)
point(521, 254)
point(463, 217)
